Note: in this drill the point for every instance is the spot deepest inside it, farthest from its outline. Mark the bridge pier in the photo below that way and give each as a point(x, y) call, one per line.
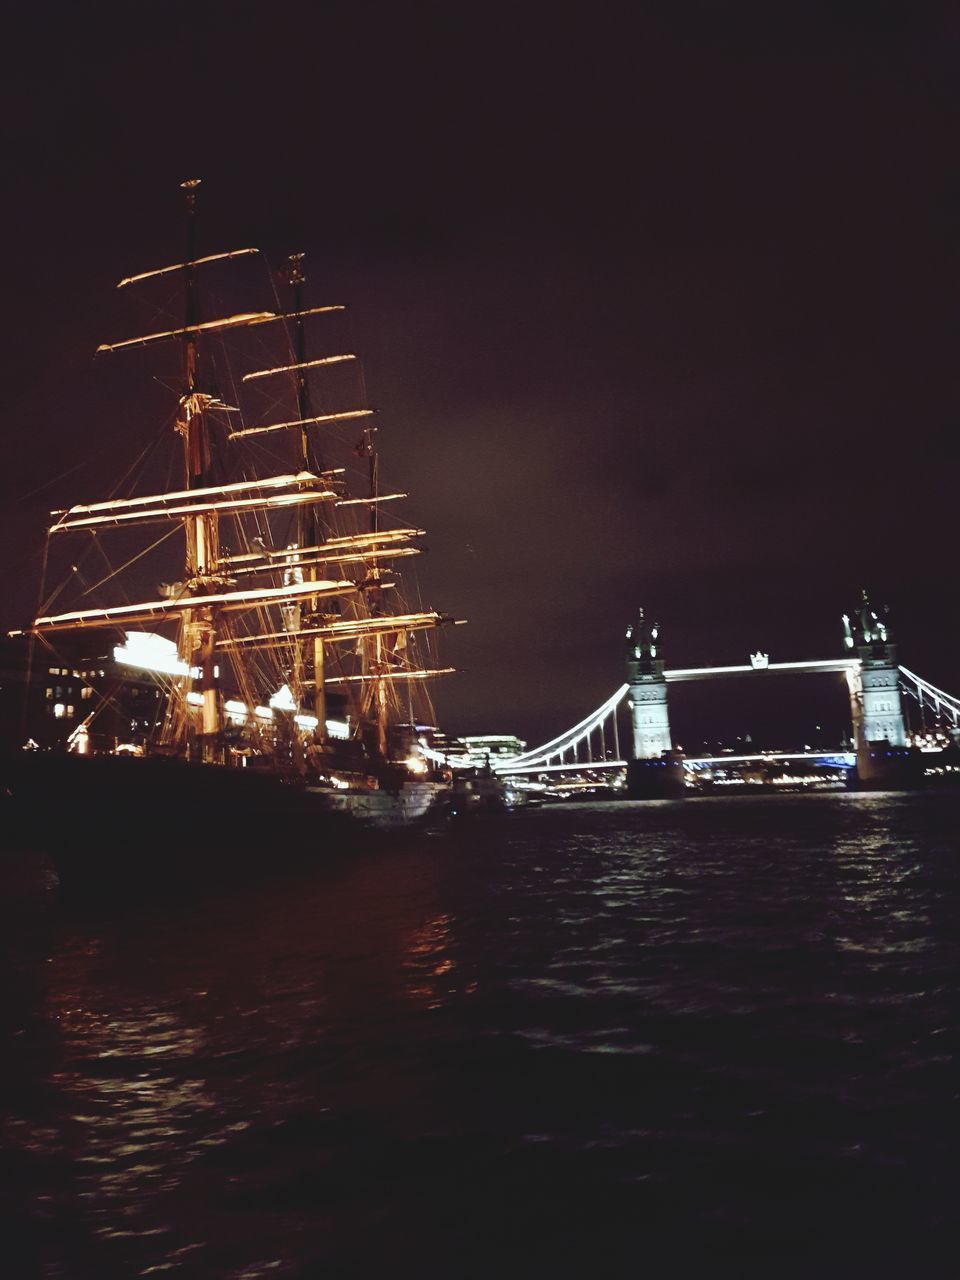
point(879, 730)
point(656, 770)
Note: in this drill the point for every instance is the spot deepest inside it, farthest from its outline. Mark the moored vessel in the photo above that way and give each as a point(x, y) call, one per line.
point(289, 671)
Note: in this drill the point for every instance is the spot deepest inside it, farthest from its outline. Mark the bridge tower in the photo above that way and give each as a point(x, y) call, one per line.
point(655, 769)
point(879, 729)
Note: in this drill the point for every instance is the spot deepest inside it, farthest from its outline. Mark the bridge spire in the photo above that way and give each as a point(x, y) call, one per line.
point(648, 689)
point(879, 729)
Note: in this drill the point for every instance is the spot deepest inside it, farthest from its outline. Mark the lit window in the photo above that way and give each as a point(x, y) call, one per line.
point(70, 713)
point(49, 693)
point(86, 693)
point(59, 710)
point(54, 671)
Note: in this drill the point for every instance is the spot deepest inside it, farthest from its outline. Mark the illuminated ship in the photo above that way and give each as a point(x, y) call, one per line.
point(289, 667)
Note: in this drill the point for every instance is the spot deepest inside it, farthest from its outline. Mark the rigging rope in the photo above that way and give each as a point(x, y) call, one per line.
point(133, 559)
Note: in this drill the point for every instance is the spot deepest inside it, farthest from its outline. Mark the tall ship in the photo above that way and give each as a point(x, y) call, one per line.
point(263, 590)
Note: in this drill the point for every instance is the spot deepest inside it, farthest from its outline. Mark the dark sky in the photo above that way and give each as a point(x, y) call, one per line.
point(658, 304)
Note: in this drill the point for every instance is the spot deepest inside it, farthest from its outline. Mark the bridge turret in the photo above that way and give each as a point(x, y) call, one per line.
point(644, 651)
point(869, 632)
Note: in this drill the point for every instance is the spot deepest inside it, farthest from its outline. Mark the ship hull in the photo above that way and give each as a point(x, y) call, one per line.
point(380, 809)
point(130, 822)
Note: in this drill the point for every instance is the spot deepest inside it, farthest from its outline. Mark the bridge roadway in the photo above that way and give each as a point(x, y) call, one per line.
point(842, 760)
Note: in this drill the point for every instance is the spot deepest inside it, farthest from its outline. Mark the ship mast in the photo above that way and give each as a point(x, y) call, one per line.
point(198, 637)
point(309, 531)
point(376, 665)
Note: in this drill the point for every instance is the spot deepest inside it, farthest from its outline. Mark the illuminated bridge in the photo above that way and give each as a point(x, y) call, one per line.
point(591, 749)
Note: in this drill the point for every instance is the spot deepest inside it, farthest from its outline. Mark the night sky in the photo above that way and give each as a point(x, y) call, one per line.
point(658, 309)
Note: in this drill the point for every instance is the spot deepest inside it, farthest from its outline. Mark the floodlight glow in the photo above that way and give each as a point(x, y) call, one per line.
point(283, 700)
point(239, 711)
point(149, 652)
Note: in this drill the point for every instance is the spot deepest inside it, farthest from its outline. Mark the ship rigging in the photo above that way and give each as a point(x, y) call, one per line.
point(288, 594)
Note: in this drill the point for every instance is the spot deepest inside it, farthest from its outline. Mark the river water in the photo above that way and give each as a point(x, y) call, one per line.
point(707, 1037)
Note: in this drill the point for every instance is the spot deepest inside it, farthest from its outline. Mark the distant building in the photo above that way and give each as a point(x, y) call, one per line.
point(84, 699)
point(471, 752)
point(48, 698)
point(480, 749)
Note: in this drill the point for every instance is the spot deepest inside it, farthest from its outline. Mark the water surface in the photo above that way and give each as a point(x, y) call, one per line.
point(706, 1037)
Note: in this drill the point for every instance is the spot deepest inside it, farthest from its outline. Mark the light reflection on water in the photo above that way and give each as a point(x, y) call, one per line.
point(428, 963)
point(726, 1025)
